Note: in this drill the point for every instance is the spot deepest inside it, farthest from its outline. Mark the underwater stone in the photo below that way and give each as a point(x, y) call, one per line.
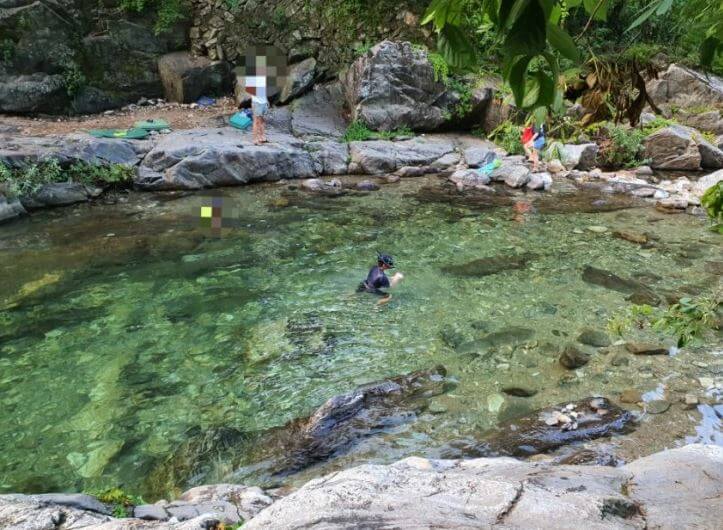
point(646, 348)
point(492, 265)
point(593, 337)
point(572, 358)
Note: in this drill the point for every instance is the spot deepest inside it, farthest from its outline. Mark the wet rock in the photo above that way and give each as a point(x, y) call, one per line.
point(332, 186)
point(299, 79)
point(223, 511)
point(593, 337)
point(573, 358)
point(690, 401)
point(539, 181)
point(10, 208)
point(644, 297)
point(367, 185)
point(511, 335)
point(329, 156)
point(394, 86)
point(620, 360)
point(533, 434)
point(469, 178)
point(513, 174)
point(555, 166)
point(345, 419)
point(673, 147)
point(646, 348)
point(582, 156)
point(60, 194)
point(519, 391)
point(632, 236)
point(492, 265)
point(657, 406)
point(644, 171)
point(630, 395)
point(514, 407)
point(610, 281)
point(476, 151)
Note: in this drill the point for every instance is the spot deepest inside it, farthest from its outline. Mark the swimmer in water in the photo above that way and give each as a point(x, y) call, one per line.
point(377, 280)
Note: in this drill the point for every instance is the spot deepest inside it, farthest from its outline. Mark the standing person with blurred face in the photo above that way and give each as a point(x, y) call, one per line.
point(259, 109)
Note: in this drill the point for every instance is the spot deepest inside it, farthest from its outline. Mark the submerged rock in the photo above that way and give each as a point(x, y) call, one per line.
point(492, 265)
point(533, 434)
point(632, 236)
point(573, 358)
point(611, 281)
point(345, 419)
point(512, 335)
point(593, 337)
point(646, 348)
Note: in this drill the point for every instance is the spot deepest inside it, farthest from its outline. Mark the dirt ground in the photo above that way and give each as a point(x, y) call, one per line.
point(177, 115)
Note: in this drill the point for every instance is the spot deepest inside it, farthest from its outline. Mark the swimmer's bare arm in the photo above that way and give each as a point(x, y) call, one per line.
point(393, 282)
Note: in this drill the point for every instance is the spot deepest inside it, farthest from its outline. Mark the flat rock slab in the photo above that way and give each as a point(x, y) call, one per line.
point(678, 488)
point(381, 156)
point(208, 158)
point(23, 151)
point(319, 113)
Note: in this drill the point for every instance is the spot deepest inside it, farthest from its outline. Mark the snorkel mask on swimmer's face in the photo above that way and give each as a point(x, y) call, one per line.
point(385, 259)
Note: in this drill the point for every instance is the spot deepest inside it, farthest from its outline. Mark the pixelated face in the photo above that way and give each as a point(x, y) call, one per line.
point(217, 214)
point(264, 70)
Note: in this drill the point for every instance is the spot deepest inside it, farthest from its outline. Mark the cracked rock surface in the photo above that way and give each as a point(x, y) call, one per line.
point(678, 488)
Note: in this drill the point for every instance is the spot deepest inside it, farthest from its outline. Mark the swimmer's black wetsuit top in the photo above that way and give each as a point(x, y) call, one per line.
point(376, 280)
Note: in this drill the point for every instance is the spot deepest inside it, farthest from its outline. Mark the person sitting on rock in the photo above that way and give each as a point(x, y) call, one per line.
point(377, 280)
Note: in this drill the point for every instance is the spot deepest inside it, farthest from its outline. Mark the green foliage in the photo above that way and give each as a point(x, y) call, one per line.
point(120, 501)
point(73, 78)
point(233, 5)
point(168, 12)
point(656, 124)
point(507, 136)
point(464, 93)
point(712, 201)
point(441, 68)
point(7, 50)
point(359, 132)
point(620, 146)
point(27, 181)
point(686, 320)
point(362, 49)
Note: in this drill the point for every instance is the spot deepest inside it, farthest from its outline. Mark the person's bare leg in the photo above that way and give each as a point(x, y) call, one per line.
point(535, 160)
point(255, 131)
point(262, 130)
point(385, 300)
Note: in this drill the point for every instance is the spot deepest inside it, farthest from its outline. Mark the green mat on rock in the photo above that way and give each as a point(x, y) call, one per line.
point(156, 124)
point(128, 134)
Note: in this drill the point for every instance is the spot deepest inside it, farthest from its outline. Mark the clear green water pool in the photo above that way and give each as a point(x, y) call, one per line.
point(126, 329)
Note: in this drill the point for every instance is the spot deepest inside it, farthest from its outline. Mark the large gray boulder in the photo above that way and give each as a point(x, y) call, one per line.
point(60, 194)
point(703, 183)
point(683, 87)
point(330, 157)
point(677, 488)
point(711, 157)
point(383, 156)
point(393, 86)
point(579, 156)
point(22, 151)
point(673, 147)
point(708, 121)
point(299, 79)
point(469, 178)
point(186, 78)
point(10, 208)
point(512, 172)
point(320, 112)
point(209, 158)
point(21, 512)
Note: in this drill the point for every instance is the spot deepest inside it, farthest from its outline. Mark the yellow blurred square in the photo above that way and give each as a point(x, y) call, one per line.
point(206, 211)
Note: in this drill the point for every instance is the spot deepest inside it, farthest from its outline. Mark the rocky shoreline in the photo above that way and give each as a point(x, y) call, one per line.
point(394, 88)
point(676, 488)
